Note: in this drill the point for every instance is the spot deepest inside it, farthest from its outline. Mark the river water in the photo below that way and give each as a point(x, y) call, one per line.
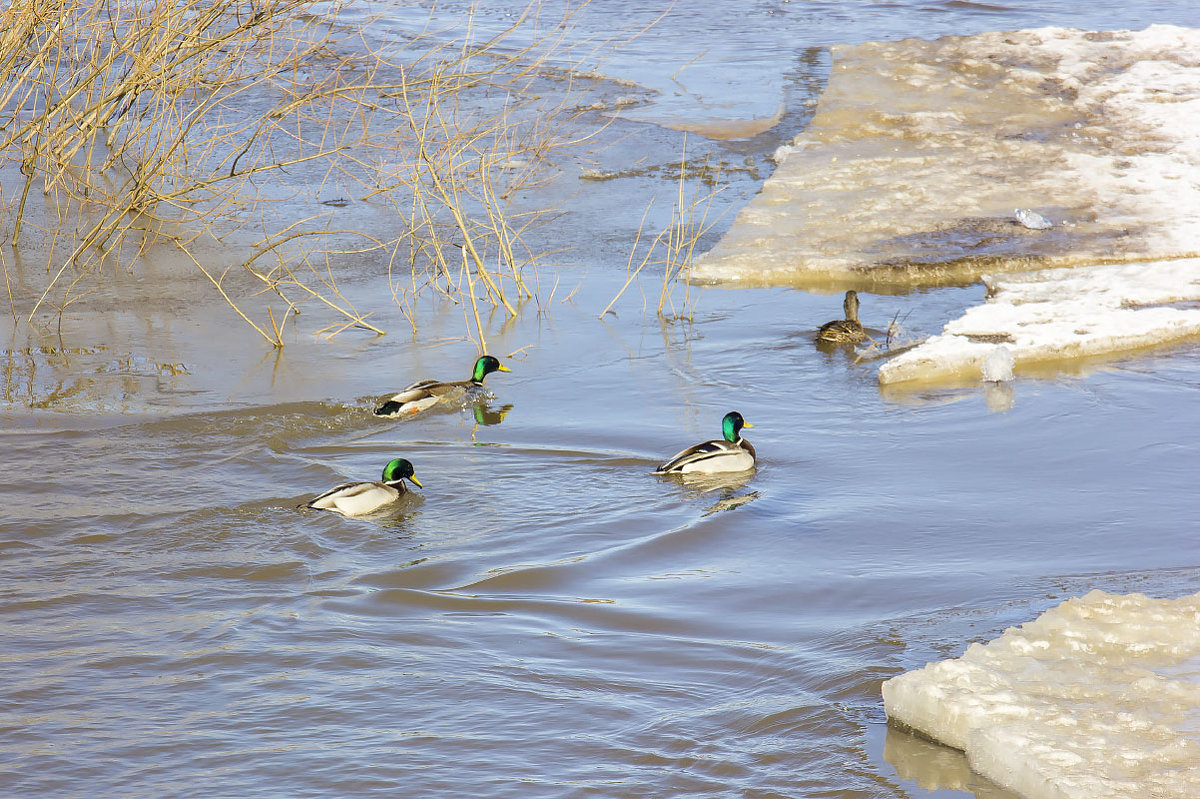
point(546, 618)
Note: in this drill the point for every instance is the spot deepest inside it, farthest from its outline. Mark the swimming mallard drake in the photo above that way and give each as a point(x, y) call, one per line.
point(731, 454)
point(427, 393)
point(848, 329)
point(359, 499)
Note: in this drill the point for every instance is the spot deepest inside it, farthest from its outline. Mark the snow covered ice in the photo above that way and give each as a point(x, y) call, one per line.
point(919, 152)
point(998, 365)
point(1055, 314)
point(1099, 698)
point(921, 166)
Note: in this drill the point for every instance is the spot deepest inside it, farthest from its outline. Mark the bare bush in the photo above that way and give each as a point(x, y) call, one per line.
point(177, 123)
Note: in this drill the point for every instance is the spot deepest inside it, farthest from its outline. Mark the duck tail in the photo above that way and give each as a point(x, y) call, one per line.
point(389, 408)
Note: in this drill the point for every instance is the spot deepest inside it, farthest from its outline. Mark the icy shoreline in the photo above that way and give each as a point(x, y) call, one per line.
point(920, 150)
point(1098, 698)
point(1056, 314)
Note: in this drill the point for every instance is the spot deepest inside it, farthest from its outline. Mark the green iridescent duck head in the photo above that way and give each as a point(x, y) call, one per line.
point(732, 426)
point(485, 366)
point(397, 469)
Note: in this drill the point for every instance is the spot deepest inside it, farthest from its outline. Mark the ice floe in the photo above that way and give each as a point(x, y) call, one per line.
point(1098, 698)
point(1056, 314)
point(920, 150)
point(998, 365)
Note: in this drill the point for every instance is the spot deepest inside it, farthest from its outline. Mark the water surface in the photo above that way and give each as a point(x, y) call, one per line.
point(546, 618)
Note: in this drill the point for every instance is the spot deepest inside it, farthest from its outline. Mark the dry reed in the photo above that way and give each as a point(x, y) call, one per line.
point(673, 247)
point(178, 123)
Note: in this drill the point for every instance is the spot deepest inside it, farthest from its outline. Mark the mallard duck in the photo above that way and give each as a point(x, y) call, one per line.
point(427, 393)
point(731, 454)
point(848, 329)
point(359, 499)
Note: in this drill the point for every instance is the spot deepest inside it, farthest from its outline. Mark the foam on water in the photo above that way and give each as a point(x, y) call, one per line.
point(1054, 314)
point(1096, 698)
point(920, 150)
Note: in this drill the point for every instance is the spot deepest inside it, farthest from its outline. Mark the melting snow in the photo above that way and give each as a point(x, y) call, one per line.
point(1099, 698)
point(1054, 314)
point(920, 150)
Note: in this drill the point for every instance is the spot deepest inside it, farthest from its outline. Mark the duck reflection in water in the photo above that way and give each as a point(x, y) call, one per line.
point(728, 487)
point(487, 416)
point(729, 501)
